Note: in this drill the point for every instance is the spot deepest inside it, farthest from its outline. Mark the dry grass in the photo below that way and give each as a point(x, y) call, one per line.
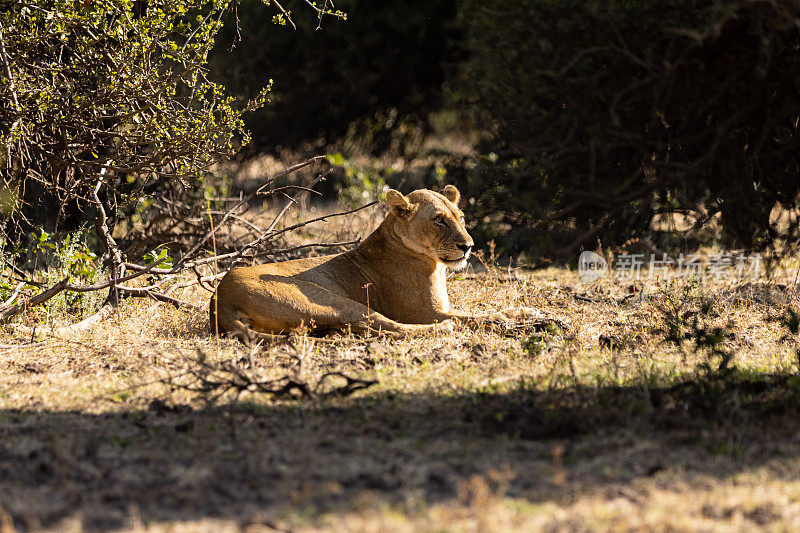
point(605, 426)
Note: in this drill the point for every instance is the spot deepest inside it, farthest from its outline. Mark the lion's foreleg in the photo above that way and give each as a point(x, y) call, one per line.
point(511, 313)
point(376, 322)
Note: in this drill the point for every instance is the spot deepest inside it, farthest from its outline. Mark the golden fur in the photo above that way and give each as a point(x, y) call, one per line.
point(394, 281)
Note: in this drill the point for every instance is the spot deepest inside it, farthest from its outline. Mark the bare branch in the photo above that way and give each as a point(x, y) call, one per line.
point(64, 285)
point(116, 265)
point(291, 201)
point(145, 293)
point(323, 217)
point(244, 201)
point(14, 294)
point(87, 323)
point(9, 312)
point(13, 90)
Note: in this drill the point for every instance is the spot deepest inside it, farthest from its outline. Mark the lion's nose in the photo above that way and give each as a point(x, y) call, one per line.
point(465, 248)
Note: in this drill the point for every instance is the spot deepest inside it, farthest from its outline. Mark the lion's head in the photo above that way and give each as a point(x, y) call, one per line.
point(431, 224)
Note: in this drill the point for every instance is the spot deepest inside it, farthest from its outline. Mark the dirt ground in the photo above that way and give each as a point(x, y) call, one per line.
point(659, 406)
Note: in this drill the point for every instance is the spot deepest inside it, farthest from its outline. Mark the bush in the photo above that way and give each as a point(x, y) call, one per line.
point(108, 92)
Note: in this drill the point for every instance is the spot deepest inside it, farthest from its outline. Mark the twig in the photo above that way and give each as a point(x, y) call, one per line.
point(323, 217)
point(64, 285)
point(293, 168)
point(14, 294)
point(285, 13)
point(242, 202)
point(287, 188)
point(146, 293)
point(311, 245)
point(7, 313)
point(13, 90)
point(188, 264)
point(18, 271)
point(291, 201)
point(238, 254)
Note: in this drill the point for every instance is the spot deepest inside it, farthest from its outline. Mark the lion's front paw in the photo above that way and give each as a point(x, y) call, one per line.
point(446, 326)
point(527, 319)
point(521, 313)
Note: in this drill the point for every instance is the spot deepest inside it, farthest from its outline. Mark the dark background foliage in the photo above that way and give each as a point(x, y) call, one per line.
point(587, 118)
point(597, 115)
point(607, 113)
point(385, 55)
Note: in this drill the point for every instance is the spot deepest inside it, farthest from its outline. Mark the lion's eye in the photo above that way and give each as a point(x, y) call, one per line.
point(439, 221)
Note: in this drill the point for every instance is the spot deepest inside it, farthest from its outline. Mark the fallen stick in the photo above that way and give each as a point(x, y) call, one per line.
point(14, 294)
point(13, 310)
point(64, 285)
point(103, 313)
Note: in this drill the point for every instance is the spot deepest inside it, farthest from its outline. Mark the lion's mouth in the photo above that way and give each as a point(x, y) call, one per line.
point(463, 258)
point(458, 261)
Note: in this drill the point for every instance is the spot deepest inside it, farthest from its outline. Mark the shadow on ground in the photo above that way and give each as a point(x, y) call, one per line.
point(297, 460)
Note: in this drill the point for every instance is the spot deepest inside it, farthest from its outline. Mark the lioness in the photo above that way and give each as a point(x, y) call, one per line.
point(394, 281)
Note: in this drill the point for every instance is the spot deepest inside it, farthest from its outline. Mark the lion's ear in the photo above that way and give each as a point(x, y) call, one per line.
point(399, 204)
point(451, 193)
